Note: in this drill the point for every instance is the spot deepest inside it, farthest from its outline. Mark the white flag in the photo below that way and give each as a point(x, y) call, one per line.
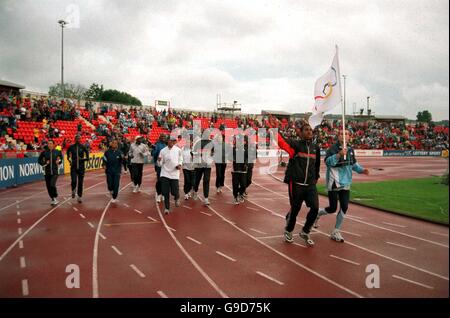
point(327, 92)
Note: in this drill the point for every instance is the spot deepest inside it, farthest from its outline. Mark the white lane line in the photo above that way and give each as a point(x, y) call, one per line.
point(19, 230)
point(187, 207)
point(442, 234)
point(22, 262)
point(350, 233)
point(357, 217)
point(269, 278)
point(75, 209)
point(253, 209)
point(21, 244)
point(399, 245)
point(189, 257)
point(345, 260)
point(412, 282)
point(136, 210)
point(150, 218)
point(208, 214)
point(116, 250)
point(161, 294)
point(173, 230)
point(82, 215)
point(193, 240)
point(25, 291)
point(226, 256)
point(298, 244)
point(19, 221)
point(258, 231)
point(141, 274)
point(18, 213)
point(269, 237)
point(69, 203)
point(91, 225)
point(393, 224)
point(362, 247)
point(102, 236)
point(126, 205)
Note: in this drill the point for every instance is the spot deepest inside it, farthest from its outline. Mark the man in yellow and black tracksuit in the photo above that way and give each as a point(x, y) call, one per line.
point(51, 159)
point(77, 155)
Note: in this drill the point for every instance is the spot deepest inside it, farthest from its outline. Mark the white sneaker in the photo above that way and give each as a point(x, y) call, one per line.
point(54, 202)
point(236, 201)
point(111, 192)
point(195, 196)
point(158, 198)
point(206, 201)
point(186, 196)
point(113, 200)
point(219, 190)
point(336, 236)
point(177, 202)
point(79, 199)
point(304, 236)
point(135, 189)
point(138, 189)
point(241, 199)
point(288, 237)
point(166, 211)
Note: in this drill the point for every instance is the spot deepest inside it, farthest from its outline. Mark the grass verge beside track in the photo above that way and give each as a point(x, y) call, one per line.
point(424, 198)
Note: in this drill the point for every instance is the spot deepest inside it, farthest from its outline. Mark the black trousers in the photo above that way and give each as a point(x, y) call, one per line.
point(206, 173)
point(77, 177)
point(113, 181)
point(220, 174)
point(138, 168)
point(189, 180)
point(343, 196)
point(158, 180)
point(249, 174)
point(298, 194)
point(50, 182)
point(239, 181)
point(169, 186)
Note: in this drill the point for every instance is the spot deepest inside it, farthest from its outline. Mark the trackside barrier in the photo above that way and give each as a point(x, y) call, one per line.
point(18, 171)
point(412, 153)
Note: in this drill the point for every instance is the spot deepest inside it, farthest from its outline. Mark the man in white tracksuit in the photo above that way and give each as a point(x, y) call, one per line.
point(170, 160)
point(138, 152)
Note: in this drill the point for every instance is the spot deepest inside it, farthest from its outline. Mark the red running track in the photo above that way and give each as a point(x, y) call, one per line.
point(129, 249)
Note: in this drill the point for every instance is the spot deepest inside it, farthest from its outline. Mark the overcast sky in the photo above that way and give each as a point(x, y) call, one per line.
point(264, 54)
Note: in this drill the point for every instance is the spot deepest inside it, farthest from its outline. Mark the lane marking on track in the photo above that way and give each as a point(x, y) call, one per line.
point(19, 221)
point(269, 278)
point(116, 250)
point(69, 203)
point(189, 257)
point(187, 207)
point(136, 210)
point(351, 233)
point(226, 256)
point(173, 230)
point(269, 237)
point(208, 214)
point(82, 215)
point(437, 233)
point(18, 213)
point(193, 240)
point(75, 209)
point(345, 260)
point(250, 208)
point(257, 231)
point(161, 294)
point(298, 244)
point(150, 218)
point(22, 262)
point(393, 224)
point(25, 291)
point(102, 236)
point(412, 282)
point(129, 223)
point(91, 225)
point(287, 257)
point(357, 217)
point(399, 245)
point(19, 231)
point(126, 205)
point(141, 274)
point(21, 244)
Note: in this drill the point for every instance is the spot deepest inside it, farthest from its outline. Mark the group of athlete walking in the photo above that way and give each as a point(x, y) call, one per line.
point(195, 160)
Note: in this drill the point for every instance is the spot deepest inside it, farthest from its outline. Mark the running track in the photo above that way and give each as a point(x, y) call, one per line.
point(129, 249)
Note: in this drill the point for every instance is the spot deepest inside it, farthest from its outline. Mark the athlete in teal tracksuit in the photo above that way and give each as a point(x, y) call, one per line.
point(338, 181)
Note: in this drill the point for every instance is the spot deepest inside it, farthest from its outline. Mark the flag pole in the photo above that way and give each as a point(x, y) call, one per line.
point(342, 104)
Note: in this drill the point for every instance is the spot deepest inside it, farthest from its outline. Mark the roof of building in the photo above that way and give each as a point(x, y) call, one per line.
point(11, 84)
point(275, 112)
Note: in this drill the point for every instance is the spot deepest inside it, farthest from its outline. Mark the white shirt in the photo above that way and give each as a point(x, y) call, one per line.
point(170, 159)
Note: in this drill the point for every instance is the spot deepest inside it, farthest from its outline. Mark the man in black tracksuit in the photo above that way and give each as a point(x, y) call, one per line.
point(302, 174)
point(220, 162)
point(50, 159)
point(77, 155)
point(240, 166)
point(125, 148)
point(252, 155)
point(112, 162)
